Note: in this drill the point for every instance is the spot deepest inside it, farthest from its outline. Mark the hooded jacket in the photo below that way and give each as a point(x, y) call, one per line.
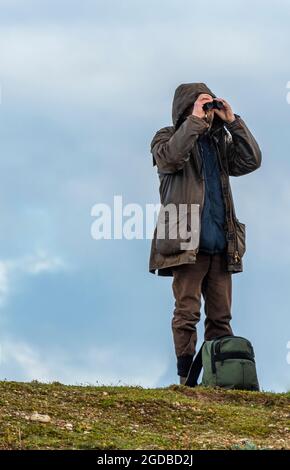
point(175, 152)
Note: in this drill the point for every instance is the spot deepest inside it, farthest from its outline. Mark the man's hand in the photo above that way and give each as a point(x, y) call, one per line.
point(198, 104)
point(226, 113)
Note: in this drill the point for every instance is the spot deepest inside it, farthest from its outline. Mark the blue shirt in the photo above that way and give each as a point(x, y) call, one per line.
point(212, 236)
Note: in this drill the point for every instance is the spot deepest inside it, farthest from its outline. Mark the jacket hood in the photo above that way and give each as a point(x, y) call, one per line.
point(184, 96)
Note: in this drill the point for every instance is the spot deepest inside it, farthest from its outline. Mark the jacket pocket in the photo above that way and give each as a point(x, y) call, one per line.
point(240, 237)
point(171, 237)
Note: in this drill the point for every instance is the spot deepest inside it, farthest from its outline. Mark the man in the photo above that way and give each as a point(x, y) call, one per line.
point(195, 158)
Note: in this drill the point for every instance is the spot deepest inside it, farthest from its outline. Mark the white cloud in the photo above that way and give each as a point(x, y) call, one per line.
point(101, 365)
point(21, 356)
point(12, 269)
point(36, 264)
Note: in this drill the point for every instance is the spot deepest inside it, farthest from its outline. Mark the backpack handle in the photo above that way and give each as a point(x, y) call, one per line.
point(195, 369)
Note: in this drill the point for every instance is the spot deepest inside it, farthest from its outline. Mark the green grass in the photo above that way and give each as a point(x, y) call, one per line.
point(131, 417)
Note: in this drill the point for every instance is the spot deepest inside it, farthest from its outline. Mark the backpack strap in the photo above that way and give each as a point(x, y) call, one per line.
point(195, 369)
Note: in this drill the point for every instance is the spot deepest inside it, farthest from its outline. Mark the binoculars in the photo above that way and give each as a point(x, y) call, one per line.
point(213, 105)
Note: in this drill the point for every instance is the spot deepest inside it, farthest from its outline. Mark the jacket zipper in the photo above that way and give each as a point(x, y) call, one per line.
point(236, 253)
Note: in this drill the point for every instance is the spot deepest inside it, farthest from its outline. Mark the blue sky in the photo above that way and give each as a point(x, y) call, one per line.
point(84, 86)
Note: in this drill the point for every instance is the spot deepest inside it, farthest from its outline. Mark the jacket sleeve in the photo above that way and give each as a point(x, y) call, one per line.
point(171, 150)
point(242, 150)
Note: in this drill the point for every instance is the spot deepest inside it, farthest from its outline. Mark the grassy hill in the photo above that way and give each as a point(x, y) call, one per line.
point(54, 416)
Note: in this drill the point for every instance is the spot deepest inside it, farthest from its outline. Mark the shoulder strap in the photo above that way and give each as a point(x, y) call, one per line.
point(195, 369)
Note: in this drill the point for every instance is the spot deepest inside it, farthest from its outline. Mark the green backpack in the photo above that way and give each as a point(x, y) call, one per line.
point(227, 362)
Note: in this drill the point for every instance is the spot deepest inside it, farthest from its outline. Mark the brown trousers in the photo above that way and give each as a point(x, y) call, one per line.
point(209, 277)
